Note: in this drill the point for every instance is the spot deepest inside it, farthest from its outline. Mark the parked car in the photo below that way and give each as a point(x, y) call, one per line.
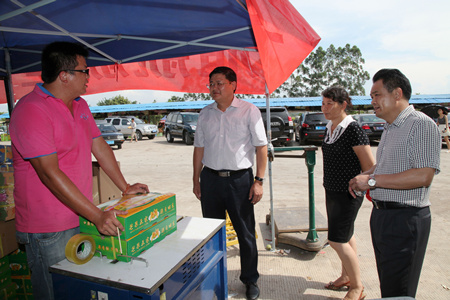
point(123, 124)
point(281, 125)
point(181, 125)
point(110, 134)
point(371, 124)
point(310, 127)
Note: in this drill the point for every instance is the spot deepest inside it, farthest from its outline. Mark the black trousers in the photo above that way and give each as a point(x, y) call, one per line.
point(220, 194)
point(400, 238)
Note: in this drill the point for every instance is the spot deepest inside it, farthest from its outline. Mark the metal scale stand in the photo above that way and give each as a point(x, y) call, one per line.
point(292, 228)
point(297, 226)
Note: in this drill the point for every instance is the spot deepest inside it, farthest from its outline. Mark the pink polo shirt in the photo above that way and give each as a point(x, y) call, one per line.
point(42, 125)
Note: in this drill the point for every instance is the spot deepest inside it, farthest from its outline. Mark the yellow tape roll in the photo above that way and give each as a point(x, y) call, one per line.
point(80, 249)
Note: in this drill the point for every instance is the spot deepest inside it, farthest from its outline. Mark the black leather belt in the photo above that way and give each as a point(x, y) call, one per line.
point(389, 205)
point(225, 173)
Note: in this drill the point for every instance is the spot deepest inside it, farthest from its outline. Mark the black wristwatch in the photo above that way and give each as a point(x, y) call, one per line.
point(259, 179)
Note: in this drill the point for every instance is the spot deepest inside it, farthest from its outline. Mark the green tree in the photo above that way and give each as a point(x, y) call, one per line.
point(117, 100)
point(206, 96)
point(175, 99)
point(321, 69)
point(197, 97)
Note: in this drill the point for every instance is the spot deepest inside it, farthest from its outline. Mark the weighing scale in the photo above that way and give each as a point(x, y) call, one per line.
point(297, 226)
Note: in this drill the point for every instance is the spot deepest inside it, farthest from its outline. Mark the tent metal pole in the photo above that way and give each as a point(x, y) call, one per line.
point(8, 83)
point(271, 155)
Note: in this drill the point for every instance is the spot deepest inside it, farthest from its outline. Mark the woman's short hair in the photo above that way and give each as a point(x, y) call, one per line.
point(338, 94)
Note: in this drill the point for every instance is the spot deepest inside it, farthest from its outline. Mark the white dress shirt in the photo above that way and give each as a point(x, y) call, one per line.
point(229, 138)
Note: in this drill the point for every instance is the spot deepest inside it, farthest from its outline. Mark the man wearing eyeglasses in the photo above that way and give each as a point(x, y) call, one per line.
point(53, 134)
point(229, 133)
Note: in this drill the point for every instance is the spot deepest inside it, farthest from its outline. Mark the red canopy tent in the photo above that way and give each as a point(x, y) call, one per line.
point(158, 44)
point(283, 40)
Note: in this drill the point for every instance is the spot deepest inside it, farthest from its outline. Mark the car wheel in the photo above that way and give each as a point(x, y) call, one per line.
point(151, 137)
point(119, 146)
point(169, 137)
point(301, 141)
point(139, 135)
point(187, 139)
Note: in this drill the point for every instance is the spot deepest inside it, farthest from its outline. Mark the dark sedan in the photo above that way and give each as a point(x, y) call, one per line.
point(310, 127)
point(371, 124)
point(111, 135)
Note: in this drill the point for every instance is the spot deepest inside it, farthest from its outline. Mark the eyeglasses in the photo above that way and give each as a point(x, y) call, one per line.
point(85, 71)
point(220, 85)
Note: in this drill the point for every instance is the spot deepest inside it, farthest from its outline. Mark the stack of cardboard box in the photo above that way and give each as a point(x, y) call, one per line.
point(15, 280)
point(20, 275)
point(8, 242)
point(149, 219)
point(7, 210)
point(7, 287)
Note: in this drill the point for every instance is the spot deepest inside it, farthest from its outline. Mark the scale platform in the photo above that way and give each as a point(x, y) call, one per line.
point(292, 228)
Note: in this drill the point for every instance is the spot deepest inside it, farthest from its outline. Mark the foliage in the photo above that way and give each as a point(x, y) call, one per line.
point(321, 69)
point(117, 100)
point(204, 97)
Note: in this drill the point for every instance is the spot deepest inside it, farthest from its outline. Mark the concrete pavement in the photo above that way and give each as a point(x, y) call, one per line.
point(296, 273)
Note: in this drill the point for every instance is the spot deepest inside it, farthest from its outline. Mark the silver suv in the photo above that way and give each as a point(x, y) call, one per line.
point(123, 124)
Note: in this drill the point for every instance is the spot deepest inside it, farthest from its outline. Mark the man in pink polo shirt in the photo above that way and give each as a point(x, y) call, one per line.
point(53, 134)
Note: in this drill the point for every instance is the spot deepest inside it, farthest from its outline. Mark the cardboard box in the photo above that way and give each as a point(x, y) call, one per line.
point(6, 154)
point(5, 278)
point(19, 268)
point(18, 256)
point(4, 264)
point(109, 246)
point(107, 190)
point(95, 191)
point(144, 211)
point(7, 212)
point(7, 206)
point(24, 297)
point(6, 184)
point(8, 237)
point(8, 292)
point(23, 284)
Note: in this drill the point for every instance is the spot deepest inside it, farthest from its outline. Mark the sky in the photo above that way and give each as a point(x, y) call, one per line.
point(412, 36)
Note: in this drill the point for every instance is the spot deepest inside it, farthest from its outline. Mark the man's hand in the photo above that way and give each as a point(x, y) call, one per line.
point(137, 188)
point(358, 183)
point(197, 190)
point(256, 192)
point(107, 222)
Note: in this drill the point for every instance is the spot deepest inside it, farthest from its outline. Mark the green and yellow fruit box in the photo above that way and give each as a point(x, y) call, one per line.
point(8, 292)
point(4, 264)
point(113, 249)
point(19, 268)
point(143, 211)
point(5, 278)
point(23, 284)
point(18, 256)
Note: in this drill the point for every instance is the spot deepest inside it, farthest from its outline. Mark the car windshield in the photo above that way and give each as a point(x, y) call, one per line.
point(191, 118)
point(106, 128)
point(316, 118)
point(138, 121)
point(372, 119)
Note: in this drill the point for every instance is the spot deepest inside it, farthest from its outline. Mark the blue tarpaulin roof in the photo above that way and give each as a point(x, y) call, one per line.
point(287, 102)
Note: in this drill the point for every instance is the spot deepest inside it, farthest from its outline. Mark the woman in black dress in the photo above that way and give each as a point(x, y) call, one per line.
point(346, 152)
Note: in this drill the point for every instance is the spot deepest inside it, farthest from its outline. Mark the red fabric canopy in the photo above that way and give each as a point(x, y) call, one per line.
point(283, 38)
